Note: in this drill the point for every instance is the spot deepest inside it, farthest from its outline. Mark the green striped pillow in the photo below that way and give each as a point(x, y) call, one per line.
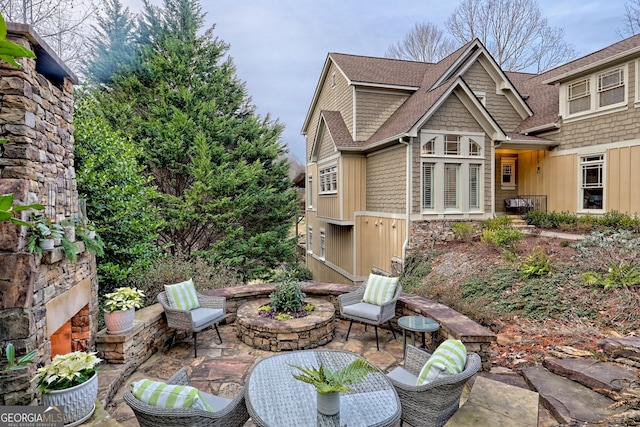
point(449, 358)
point(161, 395)
point(379, 289)
point(182, 296)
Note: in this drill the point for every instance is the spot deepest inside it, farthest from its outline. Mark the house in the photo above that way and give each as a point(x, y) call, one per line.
point(396, 150)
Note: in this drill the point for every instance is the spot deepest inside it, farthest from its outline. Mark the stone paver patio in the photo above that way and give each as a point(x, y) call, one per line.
point(222, 369)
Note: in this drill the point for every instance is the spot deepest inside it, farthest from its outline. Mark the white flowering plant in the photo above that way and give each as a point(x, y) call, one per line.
point(66, 371)
point(123, 299)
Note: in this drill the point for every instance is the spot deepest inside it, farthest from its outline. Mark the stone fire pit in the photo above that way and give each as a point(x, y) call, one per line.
point(313, 330)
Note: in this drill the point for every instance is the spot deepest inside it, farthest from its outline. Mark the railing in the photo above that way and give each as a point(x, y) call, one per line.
point(525, 203)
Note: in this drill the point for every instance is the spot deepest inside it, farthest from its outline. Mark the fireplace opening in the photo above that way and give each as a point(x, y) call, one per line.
point(73, 335)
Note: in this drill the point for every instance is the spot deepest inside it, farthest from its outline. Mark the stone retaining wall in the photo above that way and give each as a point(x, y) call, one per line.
point(150, 332)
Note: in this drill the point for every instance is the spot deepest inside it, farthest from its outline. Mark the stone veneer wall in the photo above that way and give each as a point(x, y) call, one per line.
point(425, 235)
point(40, 293)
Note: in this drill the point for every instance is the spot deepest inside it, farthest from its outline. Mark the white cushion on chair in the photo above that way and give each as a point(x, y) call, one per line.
point(403, 376)
point(182, 296)
point(202, 315)
point(449, 358)
point(380, 289)
point(363, 309)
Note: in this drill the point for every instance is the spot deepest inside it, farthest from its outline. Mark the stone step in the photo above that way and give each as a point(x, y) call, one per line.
point(592, 373)
point(625, 348)
point(568, 401)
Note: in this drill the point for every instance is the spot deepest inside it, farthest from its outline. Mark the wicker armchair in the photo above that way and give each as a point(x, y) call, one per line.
point(211, 311)
point(228, 412)
point(352, 308)
point(432, 404)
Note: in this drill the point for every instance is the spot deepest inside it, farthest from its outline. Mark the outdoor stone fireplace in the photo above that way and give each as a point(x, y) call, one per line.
point(43, 299)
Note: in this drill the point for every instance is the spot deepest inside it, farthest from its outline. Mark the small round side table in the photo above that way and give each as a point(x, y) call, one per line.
point(417, 324)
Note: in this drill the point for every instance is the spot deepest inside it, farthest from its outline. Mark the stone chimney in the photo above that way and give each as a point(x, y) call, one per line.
point(42, 298)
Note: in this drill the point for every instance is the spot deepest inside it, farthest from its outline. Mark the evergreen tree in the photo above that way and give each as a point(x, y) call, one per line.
point(221, 169)
point(111, 44)
point(119, 199)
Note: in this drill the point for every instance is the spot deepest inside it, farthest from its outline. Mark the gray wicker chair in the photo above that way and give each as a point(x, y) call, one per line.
point(229, 412)
point(368, 314)
point(429, 405)
point(211, 311)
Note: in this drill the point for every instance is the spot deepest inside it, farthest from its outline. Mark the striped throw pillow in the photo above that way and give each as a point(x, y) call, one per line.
point(182, 296)
point(161, 395)
point(379, 289)
point(449, 359)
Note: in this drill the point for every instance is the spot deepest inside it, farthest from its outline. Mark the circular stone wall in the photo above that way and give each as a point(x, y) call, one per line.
point(313, 330)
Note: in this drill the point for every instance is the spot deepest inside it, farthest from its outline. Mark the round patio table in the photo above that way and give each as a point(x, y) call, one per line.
point(417, 324)
point(275, 399)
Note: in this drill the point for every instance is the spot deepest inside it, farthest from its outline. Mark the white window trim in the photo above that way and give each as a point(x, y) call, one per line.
point(637, 94)
point(505, 161)
point(323, 244)
point(310, 192)
point(593, 90)
point(604, 184)
point(463, 160)
point(310, 239)
point(333, 170)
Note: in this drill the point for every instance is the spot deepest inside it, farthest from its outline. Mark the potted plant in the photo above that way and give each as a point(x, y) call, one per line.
point(70, 381)
point(330, 384)
point(120, 307)
point(43, 234)
point(86, 231)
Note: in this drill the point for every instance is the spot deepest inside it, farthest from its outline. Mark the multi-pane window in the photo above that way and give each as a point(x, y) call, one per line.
point(452, 145)
point(597, 92)
point(508, 168)
point(329, 180)
point(611, 87)
point(427, 185)
point(310, 191)
point(452, 168)
point(323, 245)
point(451, 173)
point(310, 239)
point(579, 96)
point(591, 182)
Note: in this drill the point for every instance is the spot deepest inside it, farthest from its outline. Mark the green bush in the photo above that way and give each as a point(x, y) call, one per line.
point(537, 264)
point(622, 275)
point(288, 297)
point(496, 223)
point(464, 231)
point(506, 239)
point(612, 220)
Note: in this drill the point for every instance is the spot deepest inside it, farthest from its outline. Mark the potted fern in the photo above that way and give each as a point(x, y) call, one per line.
point(120, 307)
point(330, 384)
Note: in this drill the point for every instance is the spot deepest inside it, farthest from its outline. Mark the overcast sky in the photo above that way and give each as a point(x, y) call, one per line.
point(279, 46)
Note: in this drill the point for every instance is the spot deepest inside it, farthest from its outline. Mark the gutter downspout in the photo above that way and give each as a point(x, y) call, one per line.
point(408, 186)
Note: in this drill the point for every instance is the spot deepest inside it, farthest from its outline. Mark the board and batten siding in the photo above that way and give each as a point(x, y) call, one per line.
point(340, 246)
point(622, 185)
point(379, 239)
point(354, 185)
point(325, 274)
point(558, 179)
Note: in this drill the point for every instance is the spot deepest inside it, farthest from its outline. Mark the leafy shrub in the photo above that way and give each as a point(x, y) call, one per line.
point(623, 275)
point(497, 223)
point(612, 220)
point(505, 239)
point(464, 231)
point(537, 264)
point(288, 297)
point(174, 269)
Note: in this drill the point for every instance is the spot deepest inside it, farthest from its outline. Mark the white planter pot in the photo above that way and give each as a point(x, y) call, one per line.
point(92, 234)
point(46, 244)
point(119, 322)
point(79, 402)
point(329, 404)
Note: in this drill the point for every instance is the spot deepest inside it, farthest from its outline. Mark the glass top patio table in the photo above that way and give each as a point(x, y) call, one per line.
point(275, 399)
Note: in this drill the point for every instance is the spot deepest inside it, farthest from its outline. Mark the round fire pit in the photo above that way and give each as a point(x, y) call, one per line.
point(313, 330)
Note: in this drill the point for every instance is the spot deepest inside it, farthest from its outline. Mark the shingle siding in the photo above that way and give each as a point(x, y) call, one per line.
point(386, 181)
point(498, 106)
point(373, 109)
